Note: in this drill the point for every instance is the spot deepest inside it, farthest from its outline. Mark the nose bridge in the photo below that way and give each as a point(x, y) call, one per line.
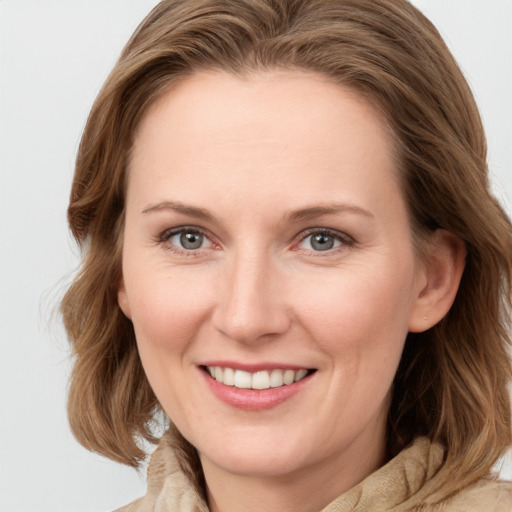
point(251, 303)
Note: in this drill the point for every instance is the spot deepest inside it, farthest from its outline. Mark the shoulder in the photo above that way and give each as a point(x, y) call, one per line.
point(169, 483)
point(482, 496)
point(135, 506)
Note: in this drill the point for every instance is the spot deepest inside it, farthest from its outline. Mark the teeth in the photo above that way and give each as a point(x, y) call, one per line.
point(289, 377)
point(228, 377)
point(258, 380)
point(276, 378)
point(261, 380)
point(243, 380)
point(300, 375)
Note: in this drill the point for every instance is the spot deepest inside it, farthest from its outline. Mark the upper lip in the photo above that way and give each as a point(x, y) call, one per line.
point(256, 367)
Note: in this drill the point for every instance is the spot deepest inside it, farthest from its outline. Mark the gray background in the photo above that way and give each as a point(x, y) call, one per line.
point(54, 56)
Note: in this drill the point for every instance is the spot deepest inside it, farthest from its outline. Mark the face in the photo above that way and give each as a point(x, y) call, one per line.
point(269, 271)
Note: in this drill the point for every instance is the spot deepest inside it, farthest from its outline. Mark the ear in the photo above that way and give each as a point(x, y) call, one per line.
point(440, 277)
point(122, 299)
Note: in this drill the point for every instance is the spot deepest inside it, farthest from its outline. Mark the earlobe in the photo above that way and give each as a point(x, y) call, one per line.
point(122, 299)
point(441, 274)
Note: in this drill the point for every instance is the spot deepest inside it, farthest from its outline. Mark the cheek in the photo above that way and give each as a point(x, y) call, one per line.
point(166, 315)
point(165, 311)
point(357, 310)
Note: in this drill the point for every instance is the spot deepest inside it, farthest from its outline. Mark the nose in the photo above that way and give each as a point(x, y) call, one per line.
point(251, 304)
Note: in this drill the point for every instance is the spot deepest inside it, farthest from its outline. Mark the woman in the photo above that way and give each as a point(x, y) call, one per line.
point(291, 250)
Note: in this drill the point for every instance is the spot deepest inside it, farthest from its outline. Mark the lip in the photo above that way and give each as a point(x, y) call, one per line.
point(253, 399)
point(252, 368)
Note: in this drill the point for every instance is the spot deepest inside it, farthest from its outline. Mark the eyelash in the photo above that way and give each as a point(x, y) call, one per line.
point(165, 236)
point(345, 240)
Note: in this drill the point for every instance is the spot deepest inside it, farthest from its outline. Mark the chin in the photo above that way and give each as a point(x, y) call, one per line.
point(250, 452)
point(261, 464)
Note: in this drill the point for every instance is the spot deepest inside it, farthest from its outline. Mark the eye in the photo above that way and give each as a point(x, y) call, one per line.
point(323, 240)
point(188, 240)
point(185, 239)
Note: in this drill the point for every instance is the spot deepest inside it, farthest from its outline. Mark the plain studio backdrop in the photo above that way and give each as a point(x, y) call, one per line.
point(54, 56)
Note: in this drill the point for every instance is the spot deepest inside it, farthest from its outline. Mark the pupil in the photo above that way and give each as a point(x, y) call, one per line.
point(191, 240)
point(322, 242)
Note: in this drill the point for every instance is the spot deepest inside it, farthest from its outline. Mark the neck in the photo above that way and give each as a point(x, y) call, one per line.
point(297, 490)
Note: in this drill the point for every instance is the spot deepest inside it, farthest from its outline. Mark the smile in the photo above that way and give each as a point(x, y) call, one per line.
point(264, 379)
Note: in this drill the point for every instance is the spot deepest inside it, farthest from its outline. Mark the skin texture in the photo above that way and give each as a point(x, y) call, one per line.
point(249, 152)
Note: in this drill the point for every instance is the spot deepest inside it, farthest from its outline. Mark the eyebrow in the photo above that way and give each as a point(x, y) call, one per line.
point(313, 212)
point(300, 215)
point(176, 206)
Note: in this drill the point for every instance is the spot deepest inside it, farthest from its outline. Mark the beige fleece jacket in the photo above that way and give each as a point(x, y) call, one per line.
point(402, 485)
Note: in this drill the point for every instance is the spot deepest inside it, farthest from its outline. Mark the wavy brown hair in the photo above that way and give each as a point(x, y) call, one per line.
point(452, 381)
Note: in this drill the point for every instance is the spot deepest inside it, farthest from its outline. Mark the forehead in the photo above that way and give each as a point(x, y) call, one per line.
point(289, 127)
point(219, 95)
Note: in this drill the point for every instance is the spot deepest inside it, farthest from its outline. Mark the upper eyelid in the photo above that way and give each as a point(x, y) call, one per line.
point(169, 232)
point(332, 232)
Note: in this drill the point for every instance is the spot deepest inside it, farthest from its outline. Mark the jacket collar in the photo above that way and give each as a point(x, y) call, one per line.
point(399, 485)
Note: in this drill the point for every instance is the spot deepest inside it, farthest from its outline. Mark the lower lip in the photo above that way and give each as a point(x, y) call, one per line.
point(254, 399)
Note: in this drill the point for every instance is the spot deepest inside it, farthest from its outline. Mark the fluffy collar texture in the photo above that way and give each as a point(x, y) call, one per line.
point(405, 484)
